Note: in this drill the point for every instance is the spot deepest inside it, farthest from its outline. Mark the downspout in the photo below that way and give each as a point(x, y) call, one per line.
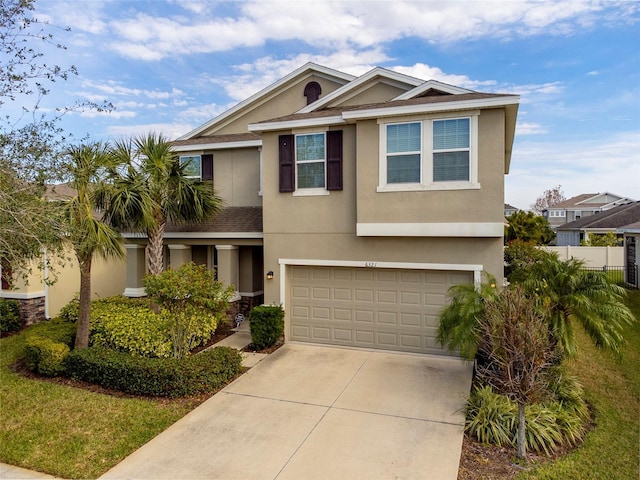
point(46, 286)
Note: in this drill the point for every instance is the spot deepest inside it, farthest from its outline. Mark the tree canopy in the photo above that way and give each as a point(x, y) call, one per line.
point(549, 198)
point(528, 227)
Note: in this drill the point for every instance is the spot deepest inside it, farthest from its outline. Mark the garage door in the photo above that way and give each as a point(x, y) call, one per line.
point(366, 307)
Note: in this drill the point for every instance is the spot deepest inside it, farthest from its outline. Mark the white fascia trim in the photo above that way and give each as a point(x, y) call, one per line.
point(134, 292)
point(22, 296)
point(310, 66)
point(217, 146)
point(466, 229)
point(291, 124)
point(432, 84)
point(458, 267)
point(378, 71)
point(312, 262)
point(432, 107)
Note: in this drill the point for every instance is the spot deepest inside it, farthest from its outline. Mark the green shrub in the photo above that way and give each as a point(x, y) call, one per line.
point(266, 325)
point(192, 300)
point(56, 330)
point(493, 418)
point(70, 312)
point(45, 356)
point(9, 316)
point(128, 325)
point(163, 377)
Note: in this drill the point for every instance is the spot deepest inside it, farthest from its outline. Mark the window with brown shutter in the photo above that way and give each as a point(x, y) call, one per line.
point(286, 163)
point(334, 160)
point(207, 166)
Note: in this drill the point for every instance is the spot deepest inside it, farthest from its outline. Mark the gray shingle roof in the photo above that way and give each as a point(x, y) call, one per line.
point(230, 220)
point(614, 218)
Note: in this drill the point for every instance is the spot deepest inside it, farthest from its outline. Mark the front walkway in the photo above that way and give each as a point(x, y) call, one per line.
point(318, 412)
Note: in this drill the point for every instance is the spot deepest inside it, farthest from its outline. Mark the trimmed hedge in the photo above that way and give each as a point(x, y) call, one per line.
point(47, 345)
point(9, 316)
point(45, 356)
point(160, 377)
point(266, 325)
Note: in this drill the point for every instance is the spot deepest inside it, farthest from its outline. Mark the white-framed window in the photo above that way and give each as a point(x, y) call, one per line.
point(192, 166)
point(437, 153)
point(557, 213)
point(310, 157)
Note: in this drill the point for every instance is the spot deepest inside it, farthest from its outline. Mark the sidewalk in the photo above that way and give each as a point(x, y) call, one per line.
point(238, 340)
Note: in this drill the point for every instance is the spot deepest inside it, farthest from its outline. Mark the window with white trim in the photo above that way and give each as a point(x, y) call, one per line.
point(557, 213)
point(429, 154)
point(192, 166)
point(310, 160)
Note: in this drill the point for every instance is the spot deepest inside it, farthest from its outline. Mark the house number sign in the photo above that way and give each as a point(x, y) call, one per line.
point(370, 264)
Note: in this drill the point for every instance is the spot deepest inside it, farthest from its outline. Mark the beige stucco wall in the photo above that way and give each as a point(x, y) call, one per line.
point(289, 99)
point(323, 227)
point(374, 93)
point(478, 205)
point(107, 279)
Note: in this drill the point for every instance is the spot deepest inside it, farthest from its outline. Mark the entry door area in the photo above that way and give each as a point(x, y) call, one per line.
point(389, 309)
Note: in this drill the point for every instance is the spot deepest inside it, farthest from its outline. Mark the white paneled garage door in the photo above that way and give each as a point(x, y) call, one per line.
point(388, 309)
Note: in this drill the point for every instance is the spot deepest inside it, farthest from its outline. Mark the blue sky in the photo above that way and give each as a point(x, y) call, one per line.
point(169, 66)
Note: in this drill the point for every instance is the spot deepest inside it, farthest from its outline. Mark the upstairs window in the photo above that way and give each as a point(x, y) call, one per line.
point(310, 160)
point(310, 164)
point(404, 157)
point(430, 154)
point(192, 166)
point(451, 150)
point(198, 167)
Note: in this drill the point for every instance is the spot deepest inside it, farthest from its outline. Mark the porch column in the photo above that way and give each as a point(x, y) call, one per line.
point(179, 255)
point(228, 265)
point(135, 270)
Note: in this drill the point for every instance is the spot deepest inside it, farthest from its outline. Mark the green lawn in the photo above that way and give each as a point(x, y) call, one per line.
point(69, 432)
point(612, 449)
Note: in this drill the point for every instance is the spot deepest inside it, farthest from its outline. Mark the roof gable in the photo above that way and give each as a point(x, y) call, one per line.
point(591, 200)
point(431, 87)
point(360, 85)
point(306, 71)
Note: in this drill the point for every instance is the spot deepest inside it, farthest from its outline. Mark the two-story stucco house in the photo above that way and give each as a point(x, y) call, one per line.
point(375, 193)
point(580, 206)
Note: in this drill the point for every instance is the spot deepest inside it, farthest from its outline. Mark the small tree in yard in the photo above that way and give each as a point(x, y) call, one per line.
point(193, 301)
point(516, 345)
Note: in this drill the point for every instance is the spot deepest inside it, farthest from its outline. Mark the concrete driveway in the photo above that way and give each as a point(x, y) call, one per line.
point(317, 412)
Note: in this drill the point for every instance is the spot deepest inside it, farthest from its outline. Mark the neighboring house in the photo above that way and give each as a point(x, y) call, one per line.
point(631, 234)
point(39, 298)
point(376, 193)
point(509, 210)
point(582, 206)
point(573, 233)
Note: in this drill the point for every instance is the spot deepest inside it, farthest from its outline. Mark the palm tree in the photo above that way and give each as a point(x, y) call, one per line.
point(567, 294)
point(150, 188)
point(459, 327)
point(87, 233)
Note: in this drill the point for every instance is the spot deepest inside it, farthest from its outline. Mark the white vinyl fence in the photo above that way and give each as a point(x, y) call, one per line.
point(593, 256)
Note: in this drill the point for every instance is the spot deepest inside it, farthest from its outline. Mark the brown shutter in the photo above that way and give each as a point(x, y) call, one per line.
point(334, 160)
point(207, 166)
point(286, 162)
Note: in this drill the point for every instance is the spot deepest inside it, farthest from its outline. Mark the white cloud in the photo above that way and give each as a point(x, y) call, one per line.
point(341, 24)
point(595, 165)
point(170, 130)
point(113, 88)
point(528, 128)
